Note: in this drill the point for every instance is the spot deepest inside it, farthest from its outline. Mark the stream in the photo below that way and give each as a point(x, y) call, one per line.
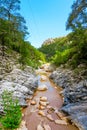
point(42, 111)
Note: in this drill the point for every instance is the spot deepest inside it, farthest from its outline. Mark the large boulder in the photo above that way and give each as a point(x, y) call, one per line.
point(78, 114)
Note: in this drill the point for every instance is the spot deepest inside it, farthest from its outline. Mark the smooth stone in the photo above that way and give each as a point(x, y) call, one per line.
point(43, 103)
point(42, 88)
point(61, 122)
point(40, 107)
point(33, 102)
point(46, 127)
point(43, 78)
point(41, 113)
point(43, 99)
point(39, 127)
point(50, 117)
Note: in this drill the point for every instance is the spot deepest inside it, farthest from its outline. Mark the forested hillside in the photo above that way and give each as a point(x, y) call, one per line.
point(13, 34)
point(71, 49)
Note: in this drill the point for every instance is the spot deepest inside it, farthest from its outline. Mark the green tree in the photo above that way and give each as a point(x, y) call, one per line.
point(77, 22)
point(9, 8)
point(12, 25)
point(78, 15)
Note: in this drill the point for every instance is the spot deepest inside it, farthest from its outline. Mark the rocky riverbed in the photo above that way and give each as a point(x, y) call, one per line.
point(74, 92)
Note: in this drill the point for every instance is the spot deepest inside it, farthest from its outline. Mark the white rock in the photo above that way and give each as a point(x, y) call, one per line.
point(33, 102)
point(43, 78)
point(61, 122)
point(39, 127)
point(40, 107)
point(47, 127)
point(43, 103)
point(59, 114)
point(43, 99)
point(42, 88)
point(41, 113)
point(50, 117)
point(22, 126)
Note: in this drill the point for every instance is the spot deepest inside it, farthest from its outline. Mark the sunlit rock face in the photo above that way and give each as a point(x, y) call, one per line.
point(75, 94)
point(21, 83)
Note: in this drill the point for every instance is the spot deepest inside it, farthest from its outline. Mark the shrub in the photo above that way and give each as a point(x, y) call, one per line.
point(12, 117)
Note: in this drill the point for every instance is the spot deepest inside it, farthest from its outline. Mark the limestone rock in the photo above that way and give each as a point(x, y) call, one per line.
point(21, 83)
point(43, 103)
point(40, 107)
point(42, 88)
point(33, 102)
point(44, 99)
point(50, 117)
point(43, 78)
point(47, 127)
point(39, 127)
point(61, 122)
point(22, 126)
point(74, 93)
point(59, 114)
point(41, 113)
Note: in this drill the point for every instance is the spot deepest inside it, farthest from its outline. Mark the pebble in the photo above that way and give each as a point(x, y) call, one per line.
point(41, 113)
point(40, 107)
point(50, 117)
point(42, 88)
point(44, 99)
point(47, 127)
point(43, 78)
point(61, 122)
point(39, 127)
point(33, 102)
point(43, 103)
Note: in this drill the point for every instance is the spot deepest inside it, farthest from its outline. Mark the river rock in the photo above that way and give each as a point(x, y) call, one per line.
point(61, 122)
point(41, 113)
point(78, 114)
point(43, 78)
point(48, 67)
point(33, 102)
point(40, 107)
point(39, 127)
point(43, 87)
point(43, 103)
point(47, 127)
point(44, 99)
point(22, 126)
point(50, 117)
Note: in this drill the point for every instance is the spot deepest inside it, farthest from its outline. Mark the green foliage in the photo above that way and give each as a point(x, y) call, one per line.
point(13, 32)
point(59, 44)
point(78, 15)
point(62, 57)
point(71, 49)
point(77, 22)
point(13, 115)
point(30, 55)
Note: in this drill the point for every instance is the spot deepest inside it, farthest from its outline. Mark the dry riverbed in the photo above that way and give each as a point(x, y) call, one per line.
point(43, 111)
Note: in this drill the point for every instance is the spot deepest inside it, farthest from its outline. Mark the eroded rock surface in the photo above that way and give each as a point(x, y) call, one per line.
point(21, 83)
point(75, 94)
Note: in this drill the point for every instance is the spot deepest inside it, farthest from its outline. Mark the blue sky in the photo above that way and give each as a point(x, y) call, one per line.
point(45, 19)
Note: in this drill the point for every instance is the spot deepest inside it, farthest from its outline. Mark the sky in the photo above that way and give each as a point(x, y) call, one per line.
point(45, 19)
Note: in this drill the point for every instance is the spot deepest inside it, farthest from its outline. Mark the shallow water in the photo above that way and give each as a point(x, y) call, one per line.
point(31, 116)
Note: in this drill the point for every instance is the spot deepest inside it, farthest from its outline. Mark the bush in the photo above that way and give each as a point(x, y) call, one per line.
point(13, 115)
